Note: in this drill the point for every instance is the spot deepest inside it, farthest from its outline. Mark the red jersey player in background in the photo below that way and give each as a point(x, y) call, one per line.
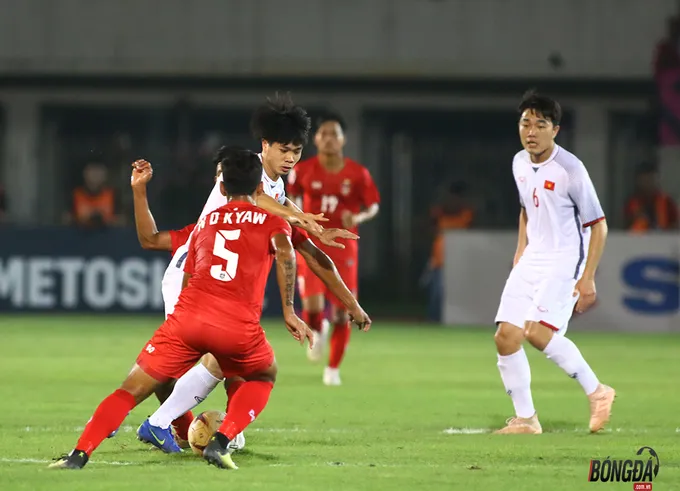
point(230, 256)
point(345, 193)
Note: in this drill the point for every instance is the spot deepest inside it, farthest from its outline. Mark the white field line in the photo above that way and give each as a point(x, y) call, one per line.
point(483, 431)
point(45, 461)
point(4, 460)
point(447, 431)
point(129, 429)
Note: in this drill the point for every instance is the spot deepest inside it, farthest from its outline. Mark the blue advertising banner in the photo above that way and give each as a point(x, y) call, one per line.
point(71, 270)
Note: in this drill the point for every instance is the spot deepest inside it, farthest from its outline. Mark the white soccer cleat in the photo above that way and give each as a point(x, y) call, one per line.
point(316, 353)
point(331, 376)
point(237, 443)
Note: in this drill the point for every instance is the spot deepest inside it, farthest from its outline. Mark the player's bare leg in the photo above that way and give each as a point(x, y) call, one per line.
point(108, 416)
point(313, 308)
point(565, 354)
point(516, 375)
point(338, 345)
point(247, 402)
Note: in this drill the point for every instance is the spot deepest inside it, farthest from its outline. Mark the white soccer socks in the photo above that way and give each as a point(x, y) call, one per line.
point(189, 392)
point(568, 357)
point(516, 376)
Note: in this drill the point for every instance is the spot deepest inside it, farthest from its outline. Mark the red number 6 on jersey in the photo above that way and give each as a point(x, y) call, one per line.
point(535, 196)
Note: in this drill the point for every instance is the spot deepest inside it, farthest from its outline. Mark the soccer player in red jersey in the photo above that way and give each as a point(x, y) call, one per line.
point(156, 428)
point(230, 255)
point(345, 193)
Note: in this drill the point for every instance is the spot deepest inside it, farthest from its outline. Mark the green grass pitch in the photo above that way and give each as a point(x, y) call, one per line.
point(385, 428)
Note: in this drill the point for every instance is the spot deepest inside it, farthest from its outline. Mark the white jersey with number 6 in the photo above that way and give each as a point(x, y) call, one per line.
point(561, 204)
point(171, 286)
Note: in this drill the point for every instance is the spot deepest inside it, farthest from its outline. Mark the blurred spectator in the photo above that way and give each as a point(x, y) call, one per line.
point(667, 78)
point(667, 56)
point(454, 212)
point(649, 208)
point(3, 205)
point(94, 204)
point(120, 155)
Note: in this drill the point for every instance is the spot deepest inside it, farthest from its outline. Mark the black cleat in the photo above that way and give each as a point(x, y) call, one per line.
point(217, 452)
point(75, 460)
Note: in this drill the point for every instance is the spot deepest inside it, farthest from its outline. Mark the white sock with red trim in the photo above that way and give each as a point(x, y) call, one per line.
point(567, 356)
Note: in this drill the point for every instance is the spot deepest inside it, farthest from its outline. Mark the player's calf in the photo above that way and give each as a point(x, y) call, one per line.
point(108, 416)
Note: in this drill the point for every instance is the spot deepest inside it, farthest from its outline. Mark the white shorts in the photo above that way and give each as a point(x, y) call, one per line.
point(538, 294)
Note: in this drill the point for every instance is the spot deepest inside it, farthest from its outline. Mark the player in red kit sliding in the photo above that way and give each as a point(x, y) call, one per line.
point(345, 193)
point(218, 312)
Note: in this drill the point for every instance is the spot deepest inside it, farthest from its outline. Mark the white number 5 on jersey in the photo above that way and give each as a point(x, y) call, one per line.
point(220, 250)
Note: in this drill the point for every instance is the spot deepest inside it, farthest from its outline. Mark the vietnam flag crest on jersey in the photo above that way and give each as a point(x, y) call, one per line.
point(549, 185)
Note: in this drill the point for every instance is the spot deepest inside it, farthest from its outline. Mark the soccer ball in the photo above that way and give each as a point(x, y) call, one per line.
point(202, 428)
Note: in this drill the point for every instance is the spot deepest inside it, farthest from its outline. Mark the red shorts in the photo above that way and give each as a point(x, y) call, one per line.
point(183, 338)
point(346, 261)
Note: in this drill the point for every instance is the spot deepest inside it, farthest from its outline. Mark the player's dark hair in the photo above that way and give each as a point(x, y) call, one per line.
point(241, 170)
point(332, 116)
point(279, 120)
point(541, 105)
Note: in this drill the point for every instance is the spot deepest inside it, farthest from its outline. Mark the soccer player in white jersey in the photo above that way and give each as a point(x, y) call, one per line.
point(282, 127)
point(562, 233)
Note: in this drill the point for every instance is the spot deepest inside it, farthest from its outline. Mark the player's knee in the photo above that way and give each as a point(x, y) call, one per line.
point(340, 316)
point(508, 338)
point(537, 334)
point(210, 363)
point(140, 384)
point(313, 304)
point(231, 380)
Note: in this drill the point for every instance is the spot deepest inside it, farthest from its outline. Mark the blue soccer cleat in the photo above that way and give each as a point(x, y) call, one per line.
point(113, 433)
point(161, 438)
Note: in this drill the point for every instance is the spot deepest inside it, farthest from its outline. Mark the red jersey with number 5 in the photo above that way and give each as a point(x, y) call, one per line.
point(333, 193)
point(230, 256)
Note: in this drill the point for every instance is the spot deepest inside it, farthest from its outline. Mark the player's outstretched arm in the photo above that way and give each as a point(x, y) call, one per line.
point(368, 214)
point(147, 232)
point(286, 269)
point(521, 236)
point(306, 221)
point(327, 236)
point(324, 268)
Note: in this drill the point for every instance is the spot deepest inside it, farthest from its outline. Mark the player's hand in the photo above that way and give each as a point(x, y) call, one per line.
point(141, 173)
point(298, 329)
point(359, 317)
point(328, 236)
point(348, 220)
point(585, 290)
point(308, 222)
